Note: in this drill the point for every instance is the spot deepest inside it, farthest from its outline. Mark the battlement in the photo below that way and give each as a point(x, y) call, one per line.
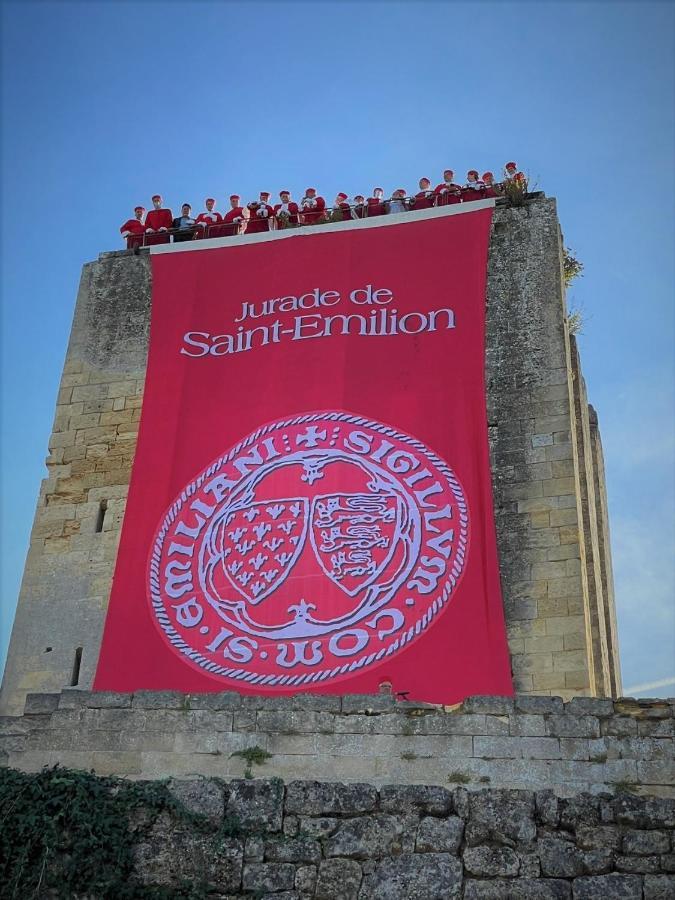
point(547, 471)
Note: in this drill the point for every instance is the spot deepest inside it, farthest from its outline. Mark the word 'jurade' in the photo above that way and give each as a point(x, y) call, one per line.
point(380, 321)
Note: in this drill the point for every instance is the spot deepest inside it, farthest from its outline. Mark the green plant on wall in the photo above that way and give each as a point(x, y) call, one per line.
point(253, 756)
point(66, 834)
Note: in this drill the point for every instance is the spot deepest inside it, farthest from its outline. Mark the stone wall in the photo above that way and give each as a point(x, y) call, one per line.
point(353, 842)
point(527, 742)
point(556, 591)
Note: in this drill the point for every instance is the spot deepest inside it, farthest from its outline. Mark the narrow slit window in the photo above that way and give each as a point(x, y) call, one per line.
point(103, 506)
point(77, 662)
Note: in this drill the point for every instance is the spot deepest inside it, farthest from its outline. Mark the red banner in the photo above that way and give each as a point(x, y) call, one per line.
point(310, 506)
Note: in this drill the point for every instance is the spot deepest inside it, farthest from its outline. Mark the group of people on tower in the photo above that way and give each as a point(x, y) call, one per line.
point(159, 225)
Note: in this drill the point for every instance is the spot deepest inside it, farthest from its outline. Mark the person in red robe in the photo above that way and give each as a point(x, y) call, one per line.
point(344, 207)
point(448, 192)
point(490, 187)
point(360, 209)
point(207, 219)
point(233, 220)
point(158, 223)
point(134, 229)
point(261, 214)
point(376, 205)
point(425, 198)
point(474, 189)
point(511, 173)
point(286, 212)
point(312, 208)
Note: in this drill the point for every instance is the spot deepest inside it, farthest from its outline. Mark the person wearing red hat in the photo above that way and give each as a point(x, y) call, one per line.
point(425, 198)
point(157, 223)
point(376, 205)
point(474, 189)
point(233, 220)
point(490, 187)
point(398, 202)
point(134, 229)
point(511, 173)
point(313, 208)
point(261, 214)
point(360, 209)
point(286, 212)
point(207, 219)
point(448, 192)
point(343, 208)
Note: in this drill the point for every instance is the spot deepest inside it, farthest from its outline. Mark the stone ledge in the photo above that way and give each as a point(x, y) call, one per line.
point(506, 742)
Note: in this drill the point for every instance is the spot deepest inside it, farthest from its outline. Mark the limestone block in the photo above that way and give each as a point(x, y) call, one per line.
point(256, 804)
point(296, 850)
point(320, 799)
point(415, 877)
point(491, 862)
point(601, 887)
point(271, 877)
point(338, 879)
point(439, 835)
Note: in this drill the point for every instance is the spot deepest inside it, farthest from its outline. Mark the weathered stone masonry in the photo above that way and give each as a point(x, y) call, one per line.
point(529, 742)
point(353, 842)
point(550, 503)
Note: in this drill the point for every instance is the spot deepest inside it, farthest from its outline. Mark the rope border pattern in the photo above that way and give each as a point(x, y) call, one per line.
point(308, 678)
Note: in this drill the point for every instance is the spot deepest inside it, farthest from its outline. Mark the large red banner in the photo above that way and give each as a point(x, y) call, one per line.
point(310, 505)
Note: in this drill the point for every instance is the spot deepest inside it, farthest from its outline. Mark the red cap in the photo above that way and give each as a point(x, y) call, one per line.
point(156, 197)
point(487, 175)
point(209, 200)
point(235, 197)
point(341, 196)
point(281, 193)
point(310, 191)
point(472, 172)
point(448, 172)
point(401, 191)
point(359, 197)
point(511, 165)
point(136, 208)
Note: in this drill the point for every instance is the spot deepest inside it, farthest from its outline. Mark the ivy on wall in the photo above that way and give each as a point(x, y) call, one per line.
point(65, 833)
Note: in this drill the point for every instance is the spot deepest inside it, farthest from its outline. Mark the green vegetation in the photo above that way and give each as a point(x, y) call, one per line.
point(253, 756)
point(459, 778)
point(73, 834)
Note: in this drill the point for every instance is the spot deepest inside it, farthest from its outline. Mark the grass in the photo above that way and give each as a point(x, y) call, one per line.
point(459, 778)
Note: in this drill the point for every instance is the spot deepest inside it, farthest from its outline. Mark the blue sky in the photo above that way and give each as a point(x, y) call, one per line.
point(104, 104)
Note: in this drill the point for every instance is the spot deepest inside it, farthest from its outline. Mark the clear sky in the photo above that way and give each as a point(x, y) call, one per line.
point(106, 103)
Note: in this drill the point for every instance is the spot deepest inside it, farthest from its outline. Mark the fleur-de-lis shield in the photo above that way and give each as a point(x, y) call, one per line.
point(354, 536)
point(261, 543)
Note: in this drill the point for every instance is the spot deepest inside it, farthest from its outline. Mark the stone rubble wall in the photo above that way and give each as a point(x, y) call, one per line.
point(548, 537)
point(526, 742)
point(331, 841)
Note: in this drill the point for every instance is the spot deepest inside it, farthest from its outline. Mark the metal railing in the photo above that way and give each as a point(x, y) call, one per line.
point(307, 218)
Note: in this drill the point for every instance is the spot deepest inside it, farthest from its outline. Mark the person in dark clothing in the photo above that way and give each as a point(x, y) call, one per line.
point(184, 225)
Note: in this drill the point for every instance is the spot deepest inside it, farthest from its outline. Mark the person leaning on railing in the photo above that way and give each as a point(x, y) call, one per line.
point(425, 198)
point(134, 229)
point(474, 189)
point(157, 223)
point(447, 192)
point(184, 225)
point(207, 219)
point(313, 208)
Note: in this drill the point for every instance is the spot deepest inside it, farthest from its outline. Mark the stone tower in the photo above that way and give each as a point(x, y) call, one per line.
point(547, 468)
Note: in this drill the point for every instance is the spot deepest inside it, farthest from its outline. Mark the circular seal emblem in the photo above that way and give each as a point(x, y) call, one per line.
point(316, 547)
